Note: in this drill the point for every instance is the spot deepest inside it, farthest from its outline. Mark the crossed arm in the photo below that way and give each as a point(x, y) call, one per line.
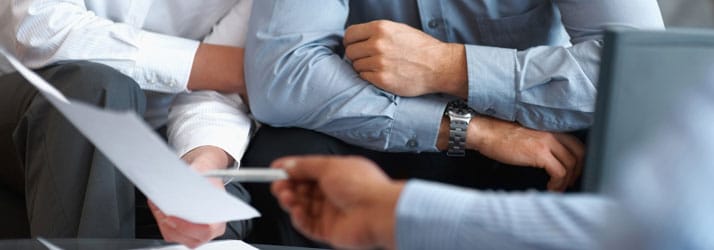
point(386, 98)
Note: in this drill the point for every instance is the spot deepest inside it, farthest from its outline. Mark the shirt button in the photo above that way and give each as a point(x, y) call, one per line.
point(412, 143)
point(433, 23)
point(490, 111)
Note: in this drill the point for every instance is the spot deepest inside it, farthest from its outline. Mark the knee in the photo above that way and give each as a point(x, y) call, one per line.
point(99, 85)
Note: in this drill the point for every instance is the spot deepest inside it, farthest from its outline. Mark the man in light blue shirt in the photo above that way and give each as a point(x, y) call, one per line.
point(331, 67)
point(385, 85)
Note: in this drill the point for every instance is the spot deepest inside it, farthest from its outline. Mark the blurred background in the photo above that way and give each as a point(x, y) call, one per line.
point(688, 13)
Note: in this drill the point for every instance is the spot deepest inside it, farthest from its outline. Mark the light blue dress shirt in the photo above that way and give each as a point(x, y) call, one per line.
point(661, 198)
point(436, 216)
point(521, 65)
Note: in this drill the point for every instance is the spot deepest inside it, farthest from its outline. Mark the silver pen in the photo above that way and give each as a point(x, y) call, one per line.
point(247, 174)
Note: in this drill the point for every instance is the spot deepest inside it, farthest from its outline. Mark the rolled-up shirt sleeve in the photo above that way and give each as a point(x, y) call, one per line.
point(553, 87)
point(209, 118)
point(436, 216)
point(296, 77)
point(55, 30)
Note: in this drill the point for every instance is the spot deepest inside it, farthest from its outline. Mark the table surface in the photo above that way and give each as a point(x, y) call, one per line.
point(107, 244)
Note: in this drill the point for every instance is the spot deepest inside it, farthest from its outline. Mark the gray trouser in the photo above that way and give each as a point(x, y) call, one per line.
point(70, 188)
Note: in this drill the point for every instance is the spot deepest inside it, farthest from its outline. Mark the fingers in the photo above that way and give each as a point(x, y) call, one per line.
point(577, 149)
point(361, 50)
point(308, 168)
point(201, 232)
point(567, 161)
point(358, 33)
point(555, 169)
point(369, 64)
point(180, 231)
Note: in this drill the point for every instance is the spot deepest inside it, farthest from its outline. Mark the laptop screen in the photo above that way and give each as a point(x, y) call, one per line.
point(645, 75)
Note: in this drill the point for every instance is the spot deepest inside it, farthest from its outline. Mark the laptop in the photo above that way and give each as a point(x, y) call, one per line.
point(645, 75)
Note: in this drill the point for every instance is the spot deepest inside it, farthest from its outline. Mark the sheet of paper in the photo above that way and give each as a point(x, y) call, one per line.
point(144, 158)
point(215, 245)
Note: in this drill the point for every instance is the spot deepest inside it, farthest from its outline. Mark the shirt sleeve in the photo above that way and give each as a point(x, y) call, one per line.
point(553, 87)
point(296, 76)
point(209, 118)
point(436, 216)
point(55, 30)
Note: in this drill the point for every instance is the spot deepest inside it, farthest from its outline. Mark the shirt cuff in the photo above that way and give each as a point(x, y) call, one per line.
point(210, 119)
point(234, 143)
point(416, 124)
point(429, 214)
point(164, 62)
point(492, 81)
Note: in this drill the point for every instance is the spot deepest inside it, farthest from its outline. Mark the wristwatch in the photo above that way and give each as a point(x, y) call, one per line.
point(460, 115)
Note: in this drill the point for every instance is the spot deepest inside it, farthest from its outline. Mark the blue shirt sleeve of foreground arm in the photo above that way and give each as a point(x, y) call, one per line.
point(296, 77)
point(436, 216)
point(553, 87)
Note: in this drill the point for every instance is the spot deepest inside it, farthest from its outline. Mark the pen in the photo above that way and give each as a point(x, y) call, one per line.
point(248, 174)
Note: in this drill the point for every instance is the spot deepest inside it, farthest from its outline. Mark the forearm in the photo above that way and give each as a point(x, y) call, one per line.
point(217, 67)
point(297, 79)
point(435, 216)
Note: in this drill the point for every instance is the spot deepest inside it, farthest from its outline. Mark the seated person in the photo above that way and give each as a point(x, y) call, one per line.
point(378, 75)
point(113, 54)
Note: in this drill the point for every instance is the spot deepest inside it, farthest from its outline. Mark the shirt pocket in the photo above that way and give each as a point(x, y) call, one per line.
point(519, 31)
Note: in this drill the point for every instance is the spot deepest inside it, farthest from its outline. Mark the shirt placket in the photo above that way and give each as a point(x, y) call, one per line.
point(432, 18)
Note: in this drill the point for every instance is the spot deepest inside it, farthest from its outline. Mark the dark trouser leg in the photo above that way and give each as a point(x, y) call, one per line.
point(71, 189)
point(474, 171)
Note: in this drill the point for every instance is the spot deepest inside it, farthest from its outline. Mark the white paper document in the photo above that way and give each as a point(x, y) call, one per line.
point(214, 245)
point(144, 158)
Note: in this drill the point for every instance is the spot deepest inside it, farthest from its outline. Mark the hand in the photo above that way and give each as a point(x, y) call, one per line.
point(177, 230)
point(406, 61)
point(561, 155)
point(345, 201)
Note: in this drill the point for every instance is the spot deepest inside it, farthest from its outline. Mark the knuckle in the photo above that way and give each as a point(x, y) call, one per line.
point(379, 45)
point(380, 77)
point(349, 52)
point(381, 25)
point(381, 62)
point(549, 137)
point(559, 174)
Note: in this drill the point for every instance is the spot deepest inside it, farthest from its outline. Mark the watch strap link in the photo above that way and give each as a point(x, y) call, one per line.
point(460, 115)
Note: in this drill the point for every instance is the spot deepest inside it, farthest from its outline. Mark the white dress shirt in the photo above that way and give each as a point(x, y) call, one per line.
point(152, 41)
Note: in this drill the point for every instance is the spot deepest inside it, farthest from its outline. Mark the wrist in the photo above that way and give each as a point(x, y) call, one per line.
point(477, 133)
point(384, 230)
point(205, 158)
point(454, 72)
